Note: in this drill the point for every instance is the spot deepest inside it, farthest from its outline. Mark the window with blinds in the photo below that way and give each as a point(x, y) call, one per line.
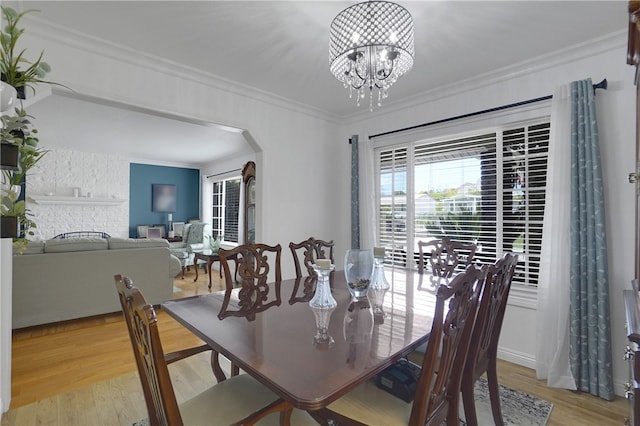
point(487, 189)
point(226, 209)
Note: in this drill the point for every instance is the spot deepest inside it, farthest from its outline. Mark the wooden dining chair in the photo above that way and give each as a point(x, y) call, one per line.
point(310, 250)
point(483, 349)
point(444, 256)
point(259, 275)
point(437, 395)
point(237, 400)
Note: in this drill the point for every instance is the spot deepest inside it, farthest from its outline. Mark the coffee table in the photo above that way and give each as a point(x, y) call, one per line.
point(210, 257)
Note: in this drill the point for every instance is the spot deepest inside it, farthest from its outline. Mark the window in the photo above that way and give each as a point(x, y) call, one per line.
point(487, 188)
point(226, 208)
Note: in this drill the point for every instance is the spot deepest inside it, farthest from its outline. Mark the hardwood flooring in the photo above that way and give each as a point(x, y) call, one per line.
point(82, 372)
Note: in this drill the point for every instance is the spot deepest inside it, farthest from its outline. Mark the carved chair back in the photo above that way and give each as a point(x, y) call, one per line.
point(152, 368)
point(311, 250)
point(444, 256)
point(437, 395)
point(486, 333)
point(259, 271)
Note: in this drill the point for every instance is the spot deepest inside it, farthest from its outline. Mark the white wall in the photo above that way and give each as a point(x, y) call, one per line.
point(6, 270)
point(616, 117)
point(298, 177)
point(104, 176)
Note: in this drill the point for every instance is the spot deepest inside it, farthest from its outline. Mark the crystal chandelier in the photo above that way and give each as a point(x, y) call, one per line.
point(370, 46)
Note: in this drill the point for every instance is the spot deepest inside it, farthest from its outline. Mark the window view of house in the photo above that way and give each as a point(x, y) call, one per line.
point(486, 189)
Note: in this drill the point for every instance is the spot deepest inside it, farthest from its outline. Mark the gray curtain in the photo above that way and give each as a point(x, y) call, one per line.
point(590, 334)
point(355, 194)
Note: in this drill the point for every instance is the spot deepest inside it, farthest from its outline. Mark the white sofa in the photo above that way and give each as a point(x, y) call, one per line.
point(59, 280)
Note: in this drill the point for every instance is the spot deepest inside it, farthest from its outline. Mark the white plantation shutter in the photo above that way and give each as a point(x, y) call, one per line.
point(225, 204)
point(486, 188)
point(392, 207)
point(232, 209)
point(525, 151)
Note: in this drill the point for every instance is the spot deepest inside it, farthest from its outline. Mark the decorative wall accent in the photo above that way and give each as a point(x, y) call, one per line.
point(101, 176)
point(164, 198)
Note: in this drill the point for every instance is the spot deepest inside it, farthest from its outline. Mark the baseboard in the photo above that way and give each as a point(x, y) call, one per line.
point(520, 358)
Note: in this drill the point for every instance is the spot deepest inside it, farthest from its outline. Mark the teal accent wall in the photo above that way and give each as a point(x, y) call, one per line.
point(143, 176)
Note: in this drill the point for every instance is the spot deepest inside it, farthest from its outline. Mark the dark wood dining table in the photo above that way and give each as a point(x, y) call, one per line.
point(278, 347)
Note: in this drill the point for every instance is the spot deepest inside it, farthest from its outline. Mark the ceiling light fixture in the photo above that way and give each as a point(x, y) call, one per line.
point(370, 46)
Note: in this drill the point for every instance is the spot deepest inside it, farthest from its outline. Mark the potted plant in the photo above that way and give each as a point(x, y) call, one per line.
point(15, 69)
point(18, 130)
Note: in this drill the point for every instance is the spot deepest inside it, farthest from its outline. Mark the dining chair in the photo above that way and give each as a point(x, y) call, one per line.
point(236, 400)
point(445, 255)
point(259, 273)
point(483, 349)
point(310, 250)
point(437, 395)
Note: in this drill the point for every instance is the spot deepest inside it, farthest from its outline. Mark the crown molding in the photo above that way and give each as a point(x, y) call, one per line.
point(553, 59)
point(125, 54)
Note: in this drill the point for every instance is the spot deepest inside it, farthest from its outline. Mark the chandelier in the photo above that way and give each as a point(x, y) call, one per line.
point(370, 46)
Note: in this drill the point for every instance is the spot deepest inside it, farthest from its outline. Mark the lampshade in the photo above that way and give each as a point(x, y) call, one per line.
point(370, 47)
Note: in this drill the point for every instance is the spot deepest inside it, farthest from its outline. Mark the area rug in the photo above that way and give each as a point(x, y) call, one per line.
point(518, 408)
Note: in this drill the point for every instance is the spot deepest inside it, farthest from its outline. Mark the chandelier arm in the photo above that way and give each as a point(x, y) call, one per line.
point(385, 76)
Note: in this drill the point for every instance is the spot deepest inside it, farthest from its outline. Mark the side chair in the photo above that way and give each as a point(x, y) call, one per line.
point(237, 400)
point(256, 275)
point(445, 255)
point(483, 349)
point(312, 249)
point(305, 253)
point(437, 395)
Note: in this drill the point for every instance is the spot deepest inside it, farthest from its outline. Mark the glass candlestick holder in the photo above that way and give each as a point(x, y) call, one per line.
point(379, 284)
point(323, 304)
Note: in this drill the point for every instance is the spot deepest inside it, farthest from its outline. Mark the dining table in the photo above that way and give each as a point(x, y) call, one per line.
point(280, 348)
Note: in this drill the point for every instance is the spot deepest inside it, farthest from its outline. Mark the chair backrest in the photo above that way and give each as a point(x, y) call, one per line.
point(195, 233)
point(437, 394)
point(312, 250)
point(142, 323)
point(256, 275)
point(486, 330)
point(445, 255)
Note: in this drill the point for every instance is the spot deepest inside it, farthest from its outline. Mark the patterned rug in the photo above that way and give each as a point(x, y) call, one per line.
point(518, 408)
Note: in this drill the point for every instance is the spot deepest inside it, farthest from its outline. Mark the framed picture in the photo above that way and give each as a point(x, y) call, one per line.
point(164, 197)
point(155, 232)
point(142, 231)
point(178, 229)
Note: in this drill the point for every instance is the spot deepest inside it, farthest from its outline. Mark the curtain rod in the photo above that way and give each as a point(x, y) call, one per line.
point(601, 85)
point(224, 173)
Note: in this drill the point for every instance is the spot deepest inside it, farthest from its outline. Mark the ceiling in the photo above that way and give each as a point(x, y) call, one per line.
point(282, 47)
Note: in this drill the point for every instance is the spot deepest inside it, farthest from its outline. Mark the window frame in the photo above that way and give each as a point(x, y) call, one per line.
point(521, 295)
point(223, 209)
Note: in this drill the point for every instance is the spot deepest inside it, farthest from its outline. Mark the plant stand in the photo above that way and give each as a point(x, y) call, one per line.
point(9, 156)
point(8, 227)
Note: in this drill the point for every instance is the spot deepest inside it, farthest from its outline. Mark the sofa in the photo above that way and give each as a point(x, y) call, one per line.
point(58, 280)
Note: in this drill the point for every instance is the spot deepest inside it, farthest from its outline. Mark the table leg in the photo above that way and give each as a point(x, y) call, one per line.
point(209, 263)
point(195, 266)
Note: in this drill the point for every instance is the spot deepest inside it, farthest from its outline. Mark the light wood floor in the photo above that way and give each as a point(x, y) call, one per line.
point(60, 379)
